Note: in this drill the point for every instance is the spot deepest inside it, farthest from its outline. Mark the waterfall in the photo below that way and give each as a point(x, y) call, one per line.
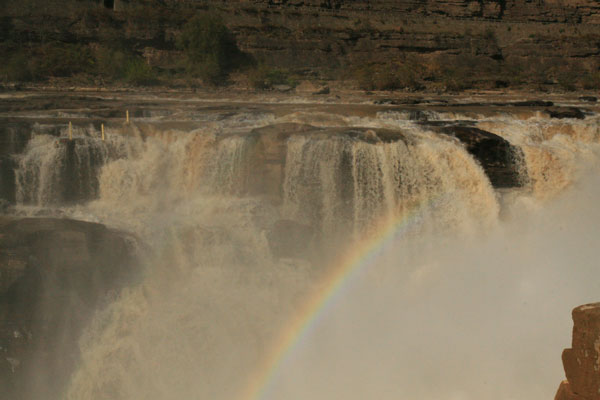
point(54, 171)
point(335, 180)
point(241, 216)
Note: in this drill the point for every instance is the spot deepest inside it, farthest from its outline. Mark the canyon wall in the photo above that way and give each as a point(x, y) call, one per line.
point(327, 38)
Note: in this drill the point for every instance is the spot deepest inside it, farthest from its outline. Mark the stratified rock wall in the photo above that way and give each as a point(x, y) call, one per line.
point(582, 360)
point(333, 34)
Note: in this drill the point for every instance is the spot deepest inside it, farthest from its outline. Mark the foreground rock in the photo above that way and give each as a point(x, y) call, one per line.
point(54, 273)
point(582, 360)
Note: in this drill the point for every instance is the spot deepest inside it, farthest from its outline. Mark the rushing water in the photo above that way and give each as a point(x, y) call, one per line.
point(472, 301)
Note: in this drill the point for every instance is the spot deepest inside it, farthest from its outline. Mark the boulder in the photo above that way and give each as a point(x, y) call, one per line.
point(499, 159)
point(582, 361)
point(54, 273)
point(565, 112)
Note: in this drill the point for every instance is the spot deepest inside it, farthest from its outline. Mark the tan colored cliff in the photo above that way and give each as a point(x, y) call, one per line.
point(582, 360)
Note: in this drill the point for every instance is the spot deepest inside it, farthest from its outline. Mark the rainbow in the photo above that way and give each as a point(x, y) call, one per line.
point(345, 270)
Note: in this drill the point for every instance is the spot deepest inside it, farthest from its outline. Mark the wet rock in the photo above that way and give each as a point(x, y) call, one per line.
point(561, 113)
point(14, 136)
point(582, 361)
point(53, 274)
point(7, 180)
point(532, 103)
point(267, 167)
point(500, 159)
point(4, 206)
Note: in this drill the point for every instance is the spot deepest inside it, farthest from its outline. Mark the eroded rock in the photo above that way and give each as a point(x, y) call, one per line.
point(582, 361)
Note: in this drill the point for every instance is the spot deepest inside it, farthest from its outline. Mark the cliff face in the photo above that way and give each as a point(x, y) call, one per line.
point(54, 273)
point(321, 36)
point(582, 360)
point(418, 26)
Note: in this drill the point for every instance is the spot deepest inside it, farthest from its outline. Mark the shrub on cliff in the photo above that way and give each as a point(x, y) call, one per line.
point(121, 65)
point(18, 67)
point(210, 49)
point(48, 60)
point(263, 77)
point(62, 59)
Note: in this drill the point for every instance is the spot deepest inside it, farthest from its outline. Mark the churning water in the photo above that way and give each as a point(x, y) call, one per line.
point(468, 296)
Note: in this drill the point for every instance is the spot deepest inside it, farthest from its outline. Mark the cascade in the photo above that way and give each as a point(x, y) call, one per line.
point(243, 216)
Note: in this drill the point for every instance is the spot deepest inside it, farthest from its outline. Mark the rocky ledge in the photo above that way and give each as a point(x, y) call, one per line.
point(582, 360)
point(54, 273)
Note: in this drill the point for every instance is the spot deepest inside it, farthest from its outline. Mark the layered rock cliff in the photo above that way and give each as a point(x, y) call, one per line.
point(511, 42)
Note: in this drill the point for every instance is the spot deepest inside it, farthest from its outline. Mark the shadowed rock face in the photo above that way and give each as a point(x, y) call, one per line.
point(500, 160)
point(13, 139)
point(53, 274)
point(582, 360)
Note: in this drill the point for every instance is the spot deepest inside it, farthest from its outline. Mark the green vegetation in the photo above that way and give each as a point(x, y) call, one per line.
point(210, 50)
point(18, 67)
point(61, 59)
point(263, 77)
point(52, 59)
point(119, 65)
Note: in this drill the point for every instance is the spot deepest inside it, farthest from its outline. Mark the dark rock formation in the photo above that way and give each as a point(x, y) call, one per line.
point(7, 179)
point(567, 112)
point(582, 360)
point(13, 139)
point(500, 160)
point(53, 274)
point(80, 169)
point(532, 103)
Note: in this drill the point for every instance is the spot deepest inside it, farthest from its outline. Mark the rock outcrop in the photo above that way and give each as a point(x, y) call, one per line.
point(582, 360)
point(500, 160)
point(54, 273)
